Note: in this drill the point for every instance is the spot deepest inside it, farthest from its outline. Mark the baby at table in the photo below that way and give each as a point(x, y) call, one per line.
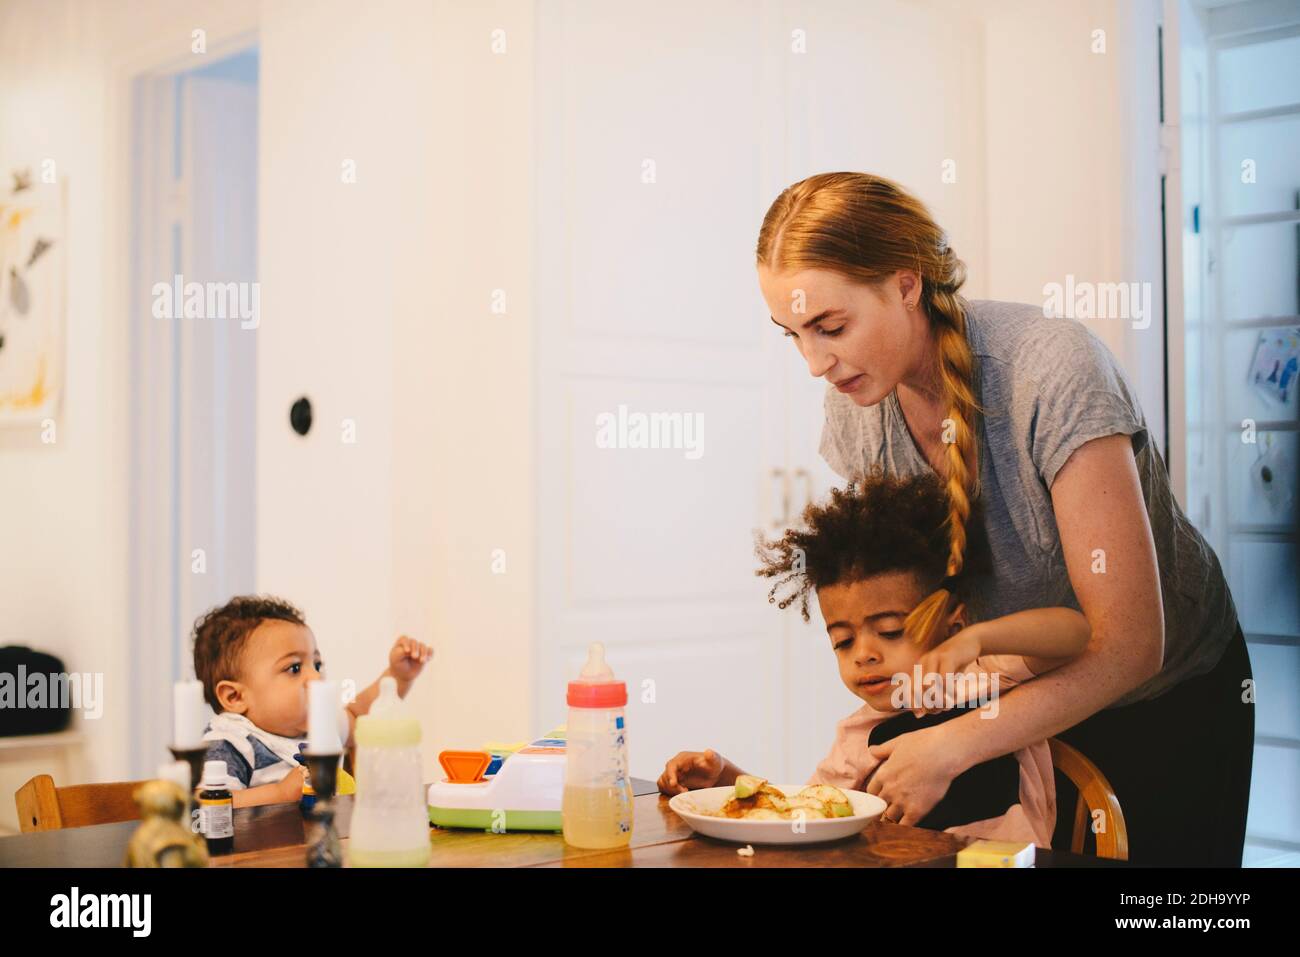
point(256, 658)
point(871, 554)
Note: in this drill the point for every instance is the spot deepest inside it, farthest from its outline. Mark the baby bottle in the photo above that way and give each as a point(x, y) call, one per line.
point(390, 821)
point(597, 802)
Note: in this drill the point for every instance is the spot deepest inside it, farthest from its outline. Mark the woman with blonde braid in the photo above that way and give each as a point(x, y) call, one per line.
point(1033, 418)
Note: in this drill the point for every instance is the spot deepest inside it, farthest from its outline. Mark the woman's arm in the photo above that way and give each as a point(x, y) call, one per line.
point(1111, 559)
point(1045, 637)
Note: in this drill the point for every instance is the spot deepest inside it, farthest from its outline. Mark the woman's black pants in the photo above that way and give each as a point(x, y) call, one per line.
point(1180, 766)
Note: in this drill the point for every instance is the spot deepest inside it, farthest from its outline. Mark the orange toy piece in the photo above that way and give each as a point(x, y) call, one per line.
point(464, 767)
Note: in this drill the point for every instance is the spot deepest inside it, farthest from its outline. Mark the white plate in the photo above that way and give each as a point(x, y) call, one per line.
point(692, 806)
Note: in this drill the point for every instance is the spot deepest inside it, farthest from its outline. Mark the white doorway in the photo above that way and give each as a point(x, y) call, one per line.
point(1236, 240)
point(193, 382)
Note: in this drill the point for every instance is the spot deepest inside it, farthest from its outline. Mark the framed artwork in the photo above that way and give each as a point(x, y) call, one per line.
point(32, 297)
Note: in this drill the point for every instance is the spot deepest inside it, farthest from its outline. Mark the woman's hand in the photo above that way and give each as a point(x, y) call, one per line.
point(917, 770)
point(690, 770)
point(950, 657)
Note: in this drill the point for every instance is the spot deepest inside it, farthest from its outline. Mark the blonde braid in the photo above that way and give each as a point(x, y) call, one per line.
point(956, 374)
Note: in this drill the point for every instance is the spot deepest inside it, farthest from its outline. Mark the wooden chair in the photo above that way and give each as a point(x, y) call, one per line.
point(44, 807)
point(1095, 793)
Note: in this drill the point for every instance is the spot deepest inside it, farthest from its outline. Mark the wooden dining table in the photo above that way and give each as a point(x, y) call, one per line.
point(274, 836)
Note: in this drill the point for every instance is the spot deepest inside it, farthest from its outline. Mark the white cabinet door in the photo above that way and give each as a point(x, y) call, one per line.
point(650, 189)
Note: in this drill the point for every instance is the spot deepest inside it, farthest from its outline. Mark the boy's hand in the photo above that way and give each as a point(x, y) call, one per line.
point(950, 657)
point(291, 785)
point(690, 770)
point(407, 659)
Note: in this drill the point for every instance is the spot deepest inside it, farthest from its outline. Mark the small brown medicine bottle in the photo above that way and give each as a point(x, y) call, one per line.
point(216, 809)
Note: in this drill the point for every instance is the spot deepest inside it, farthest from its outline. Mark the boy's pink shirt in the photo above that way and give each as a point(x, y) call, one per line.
point(849, 765)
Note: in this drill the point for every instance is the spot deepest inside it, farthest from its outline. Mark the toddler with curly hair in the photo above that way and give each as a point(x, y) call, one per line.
point(873, 555)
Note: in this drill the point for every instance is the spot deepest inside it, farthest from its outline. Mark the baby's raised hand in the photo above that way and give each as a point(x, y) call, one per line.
point(408, 658)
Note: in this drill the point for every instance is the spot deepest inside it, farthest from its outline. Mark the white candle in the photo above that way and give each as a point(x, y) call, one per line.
point(189, 714)
point(177, 772)
point(323, 717)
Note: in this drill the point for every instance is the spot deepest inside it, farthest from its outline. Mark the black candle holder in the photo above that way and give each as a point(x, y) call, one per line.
point(194, 758)
point(323, 848)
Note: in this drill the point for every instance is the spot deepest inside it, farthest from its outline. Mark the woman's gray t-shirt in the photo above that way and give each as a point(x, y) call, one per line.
point(1046, 386)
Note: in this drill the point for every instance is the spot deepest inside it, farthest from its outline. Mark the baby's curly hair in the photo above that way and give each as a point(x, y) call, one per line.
point(878, 523)
point(220, 635)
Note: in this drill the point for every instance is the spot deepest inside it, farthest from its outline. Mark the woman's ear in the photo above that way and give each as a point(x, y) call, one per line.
point(909, 286)
point(230, 695)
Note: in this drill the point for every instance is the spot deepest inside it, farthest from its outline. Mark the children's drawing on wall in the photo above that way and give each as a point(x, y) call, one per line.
point(32, 238)
point(1274, 370)
point(1273, 474)
point(1273, 373)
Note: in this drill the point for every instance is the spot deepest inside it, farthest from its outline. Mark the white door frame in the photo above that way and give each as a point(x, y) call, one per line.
point(148, 675)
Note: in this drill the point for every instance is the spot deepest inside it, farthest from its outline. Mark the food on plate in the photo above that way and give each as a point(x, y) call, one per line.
point(837, 801)
point(747, 785)
point(757, 800)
